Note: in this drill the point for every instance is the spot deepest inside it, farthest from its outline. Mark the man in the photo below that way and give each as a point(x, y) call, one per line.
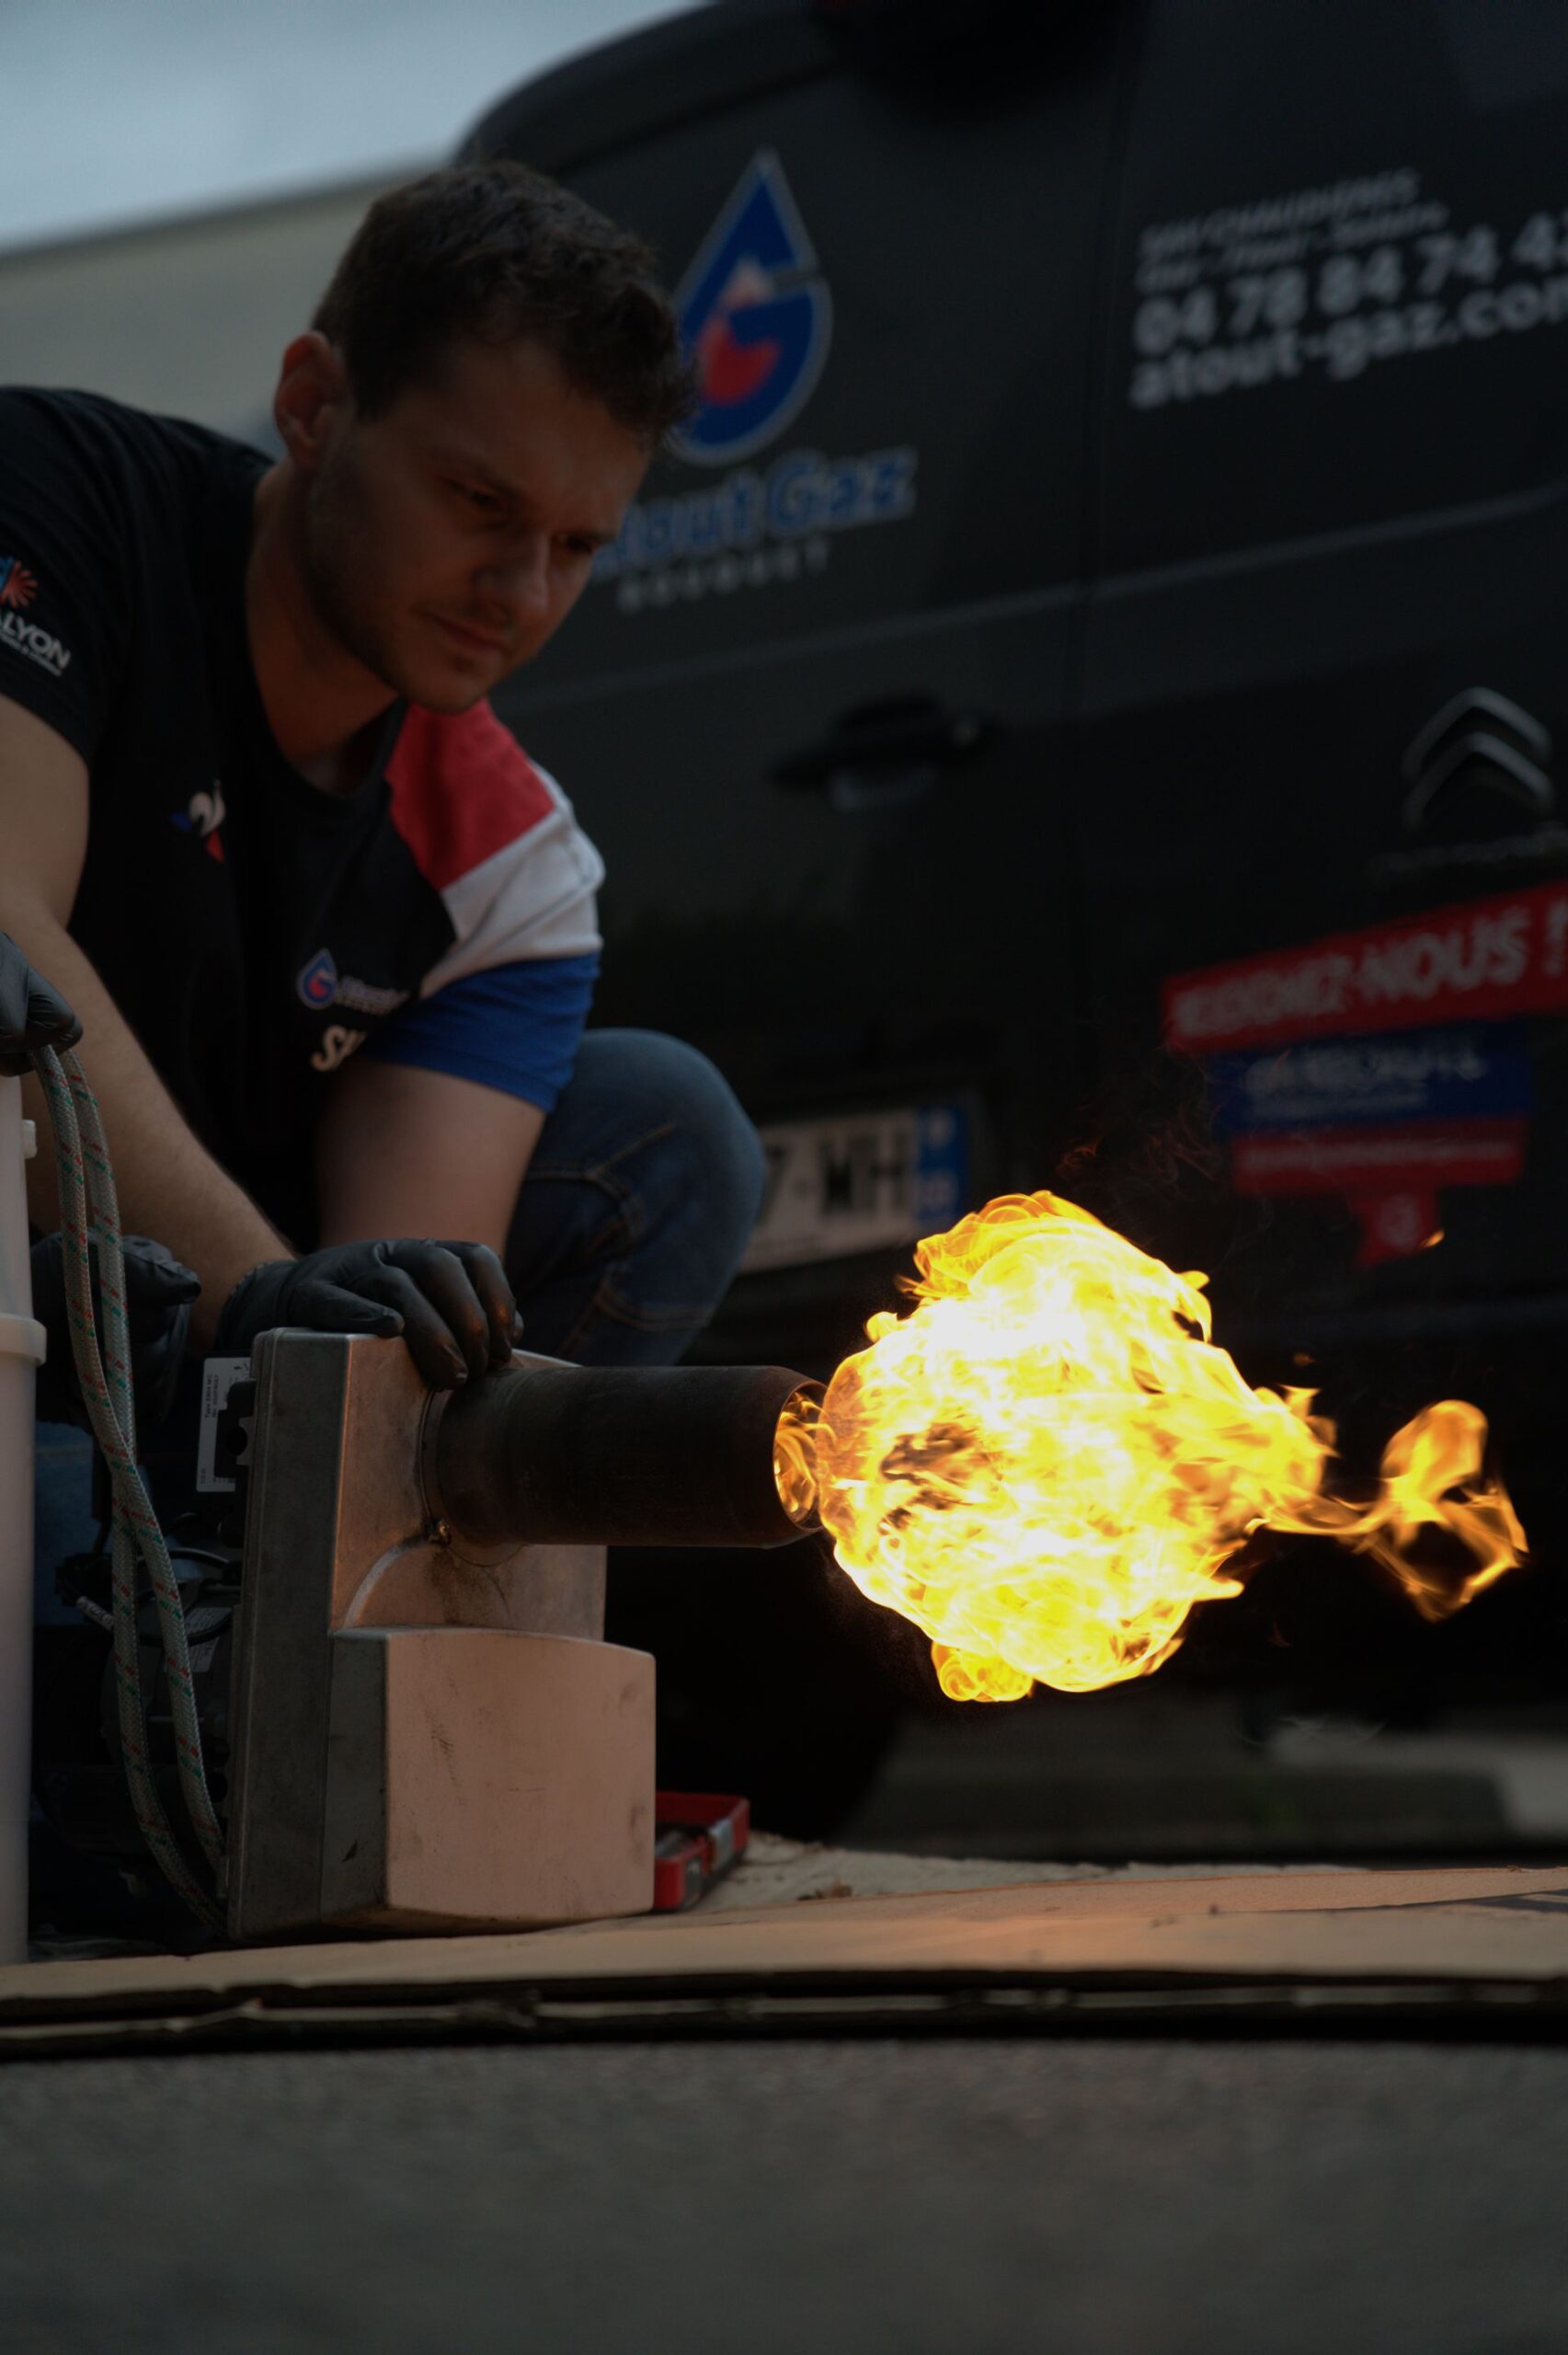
point(330, 932)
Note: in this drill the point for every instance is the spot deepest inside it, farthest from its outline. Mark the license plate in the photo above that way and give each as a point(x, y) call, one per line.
point(858, 1182)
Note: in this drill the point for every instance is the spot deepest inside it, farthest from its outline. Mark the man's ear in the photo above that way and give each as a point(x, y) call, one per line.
point(312, 398)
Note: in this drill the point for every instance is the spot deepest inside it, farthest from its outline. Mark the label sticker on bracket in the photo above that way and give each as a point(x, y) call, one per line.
point(218, 1377)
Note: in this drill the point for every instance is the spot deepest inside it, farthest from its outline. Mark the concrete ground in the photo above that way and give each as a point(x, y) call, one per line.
point(1112, 2198)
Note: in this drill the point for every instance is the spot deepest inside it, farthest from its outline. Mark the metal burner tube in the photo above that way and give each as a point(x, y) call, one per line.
point(660, 1455)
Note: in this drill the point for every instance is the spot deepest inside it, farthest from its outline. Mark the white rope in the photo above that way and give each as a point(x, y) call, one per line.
point(87, 1195)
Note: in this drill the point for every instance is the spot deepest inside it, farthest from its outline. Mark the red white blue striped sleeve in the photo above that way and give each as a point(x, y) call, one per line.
point(495, 835)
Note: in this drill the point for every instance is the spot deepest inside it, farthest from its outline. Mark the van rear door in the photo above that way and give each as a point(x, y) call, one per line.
point(1325, 676)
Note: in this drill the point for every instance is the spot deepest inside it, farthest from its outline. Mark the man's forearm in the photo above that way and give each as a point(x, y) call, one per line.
point(169, 1186)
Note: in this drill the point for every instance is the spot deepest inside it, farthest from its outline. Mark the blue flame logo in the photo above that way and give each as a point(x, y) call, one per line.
point(756, 318)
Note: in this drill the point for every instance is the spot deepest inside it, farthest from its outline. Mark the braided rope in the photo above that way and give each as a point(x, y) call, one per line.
point(87, 1191)
point(149, 1537)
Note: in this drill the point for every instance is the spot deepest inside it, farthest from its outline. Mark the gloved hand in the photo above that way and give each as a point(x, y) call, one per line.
point(451, 1301)
point(158, 1294)
point(33, 1012)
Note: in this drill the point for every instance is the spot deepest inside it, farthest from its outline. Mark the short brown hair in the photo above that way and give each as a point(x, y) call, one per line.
point(493, 251)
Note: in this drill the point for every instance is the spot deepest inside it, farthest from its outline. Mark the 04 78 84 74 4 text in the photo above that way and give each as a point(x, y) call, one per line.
point(1334, 309)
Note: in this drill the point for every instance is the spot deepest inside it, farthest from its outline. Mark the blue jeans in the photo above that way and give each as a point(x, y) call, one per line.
point(630, 1224)
point(638, 1205)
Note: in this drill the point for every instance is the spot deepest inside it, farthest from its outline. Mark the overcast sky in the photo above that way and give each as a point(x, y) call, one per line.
point(115, 110)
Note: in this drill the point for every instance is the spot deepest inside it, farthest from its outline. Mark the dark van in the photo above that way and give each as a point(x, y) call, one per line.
point(1080, 708)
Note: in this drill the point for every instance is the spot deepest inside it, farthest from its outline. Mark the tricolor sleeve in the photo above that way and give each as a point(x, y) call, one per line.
point(514, 1028)
point(495, 835)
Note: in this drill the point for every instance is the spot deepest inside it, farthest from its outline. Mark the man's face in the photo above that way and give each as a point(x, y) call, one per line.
point(448, 538)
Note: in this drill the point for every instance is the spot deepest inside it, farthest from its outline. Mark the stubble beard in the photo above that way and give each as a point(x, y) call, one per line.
point(327, 565)
point(336, 528)
point(335, 533)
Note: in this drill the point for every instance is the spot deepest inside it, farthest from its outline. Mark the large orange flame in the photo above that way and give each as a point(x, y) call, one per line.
point(1048, 1460)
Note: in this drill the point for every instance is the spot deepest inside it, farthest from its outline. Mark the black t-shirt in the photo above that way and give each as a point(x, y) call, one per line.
point(253, 929)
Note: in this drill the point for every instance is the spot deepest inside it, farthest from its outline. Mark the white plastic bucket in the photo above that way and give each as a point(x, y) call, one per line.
point(21, 1353)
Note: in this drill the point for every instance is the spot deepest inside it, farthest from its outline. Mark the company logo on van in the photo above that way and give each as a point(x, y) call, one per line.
point(756, 318)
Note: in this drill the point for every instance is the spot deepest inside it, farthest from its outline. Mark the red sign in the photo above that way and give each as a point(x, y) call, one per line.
point(1390, 1175)
point(1415, 1157)
point(1479, 960)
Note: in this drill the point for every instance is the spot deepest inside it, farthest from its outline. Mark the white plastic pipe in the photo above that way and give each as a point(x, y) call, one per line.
point(21, 1353)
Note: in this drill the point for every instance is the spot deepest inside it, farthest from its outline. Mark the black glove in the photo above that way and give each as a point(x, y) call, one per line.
point(33, 1012)
point(451, 1301)
point(158, 1294)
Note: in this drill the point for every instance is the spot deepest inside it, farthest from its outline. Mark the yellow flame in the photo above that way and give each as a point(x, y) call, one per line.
point(1048, 1460)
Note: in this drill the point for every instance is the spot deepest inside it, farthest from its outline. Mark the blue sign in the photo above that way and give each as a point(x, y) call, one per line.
point(942, 1166)
point(756, 318)
point(1480, 1071)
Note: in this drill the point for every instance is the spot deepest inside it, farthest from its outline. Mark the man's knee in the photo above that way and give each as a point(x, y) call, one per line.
point(638, 1203)
point(673, 1097)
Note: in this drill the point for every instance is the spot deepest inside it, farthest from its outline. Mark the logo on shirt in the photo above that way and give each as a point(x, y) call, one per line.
point(336, 1045)
point(320, 985)
point(317, 984)
point(18, 587)
point(202, 816)
point(756, 318)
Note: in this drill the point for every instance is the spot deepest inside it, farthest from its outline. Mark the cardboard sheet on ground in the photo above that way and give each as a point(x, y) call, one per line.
point(1462, 1927)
